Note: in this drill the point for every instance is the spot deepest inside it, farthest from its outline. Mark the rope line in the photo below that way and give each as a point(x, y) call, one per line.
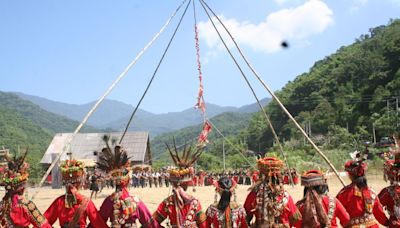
point(108, 91)
point(222, 135)
point(253, 92)
point(154, 74)
point(234, 146)
point(277, 99)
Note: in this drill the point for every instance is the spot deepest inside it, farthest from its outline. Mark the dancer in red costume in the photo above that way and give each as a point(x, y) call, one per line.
point(225, 212)
point(360, 201)
point(317, 208)
point(390, 196)
point(72, 209)
point(182, 209)
point(120, 207)
point(271, 205)
point(15, 210)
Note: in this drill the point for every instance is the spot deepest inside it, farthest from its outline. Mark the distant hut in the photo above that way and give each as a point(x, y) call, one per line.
point(84, 145)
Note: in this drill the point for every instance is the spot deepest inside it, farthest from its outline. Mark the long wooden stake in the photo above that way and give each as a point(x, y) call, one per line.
point(69, 140)
point(277, 99)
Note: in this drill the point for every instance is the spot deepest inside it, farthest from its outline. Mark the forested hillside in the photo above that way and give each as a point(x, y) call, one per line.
point(25, 125)
point(19, 133)
point(339, 102)
point(352, 91)
point(229, 124)
point(114, 115)
point(49, 121)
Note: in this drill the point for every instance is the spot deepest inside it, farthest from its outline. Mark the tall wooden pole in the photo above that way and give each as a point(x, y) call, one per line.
point(223, 153)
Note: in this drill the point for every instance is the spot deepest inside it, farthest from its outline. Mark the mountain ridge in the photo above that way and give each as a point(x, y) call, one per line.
point(113, 114)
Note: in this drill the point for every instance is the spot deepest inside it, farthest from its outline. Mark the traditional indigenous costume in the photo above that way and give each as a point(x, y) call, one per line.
point(390, 196)
point(271, 205)
point(15, 210)
point(72, 209)
point(225, 213)
point(182, 209)
point(360, 201)
point(120, 207)
point(317, 208)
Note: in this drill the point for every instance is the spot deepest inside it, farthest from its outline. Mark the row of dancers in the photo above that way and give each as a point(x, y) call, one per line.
point(267, 204)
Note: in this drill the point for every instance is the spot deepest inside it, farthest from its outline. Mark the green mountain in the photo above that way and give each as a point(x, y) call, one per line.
point(339, 101)
point(228, 124)
point(19, 133)
point(352, 91)
point(25, 125)
point(17, 130)
point(114, 115)
point(50, 122)
point(109, 110)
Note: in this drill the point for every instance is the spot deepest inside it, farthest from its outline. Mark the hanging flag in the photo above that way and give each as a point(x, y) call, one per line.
point(200, 99)
point(204, 133)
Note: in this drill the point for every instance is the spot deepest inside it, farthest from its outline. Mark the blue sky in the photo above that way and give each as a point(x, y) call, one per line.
point(71, 51)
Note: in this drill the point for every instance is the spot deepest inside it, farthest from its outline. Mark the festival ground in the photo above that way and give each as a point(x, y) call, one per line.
point(153, 196)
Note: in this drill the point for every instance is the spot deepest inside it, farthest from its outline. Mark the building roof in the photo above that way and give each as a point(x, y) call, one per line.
point(84, 144)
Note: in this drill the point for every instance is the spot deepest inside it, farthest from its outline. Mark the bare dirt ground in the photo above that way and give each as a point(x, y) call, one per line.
point(153, 196)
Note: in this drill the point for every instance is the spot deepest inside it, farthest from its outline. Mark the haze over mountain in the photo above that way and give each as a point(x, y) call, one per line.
point(114, 114)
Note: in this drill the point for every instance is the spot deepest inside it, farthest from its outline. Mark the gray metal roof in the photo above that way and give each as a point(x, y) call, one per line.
point(84, 144)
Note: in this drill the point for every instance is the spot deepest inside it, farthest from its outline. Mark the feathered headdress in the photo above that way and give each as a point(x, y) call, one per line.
point(357, 166)
point(114, 161)
point(15, 174)
point(184, 162)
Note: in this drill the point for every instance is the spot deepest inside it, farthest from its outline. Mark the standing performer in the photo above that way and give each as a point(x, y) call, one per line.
point(72, 209)
point(120, 207)
point(295, 176)
point(182, 209)
point(225, 213)
point(94, 185)
point(271, 205)
point(317, 208)
point(390, 196)
point(360, 200)
point(15, 210)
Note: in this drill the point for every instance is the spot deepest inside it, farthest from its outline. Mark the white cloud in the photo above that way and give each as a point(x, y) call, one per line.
point(293, 24)
point(357, 5)
point(280, 2)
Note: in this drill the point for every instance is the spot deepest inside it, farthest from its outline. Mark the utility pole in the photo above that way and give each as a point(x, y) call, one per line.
point(387, 106)
point(223, 153)
point(309, 128)
point(373, 132)
point(397, 111)
point(305, 129)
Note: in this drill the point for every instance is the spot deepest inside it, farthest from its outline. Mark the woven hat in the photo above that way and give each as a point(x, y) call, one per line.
point(183, 161)
point(313, 178)
point(270, 166)
point(15, 174)
point(72, 171)
point(114, 161)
